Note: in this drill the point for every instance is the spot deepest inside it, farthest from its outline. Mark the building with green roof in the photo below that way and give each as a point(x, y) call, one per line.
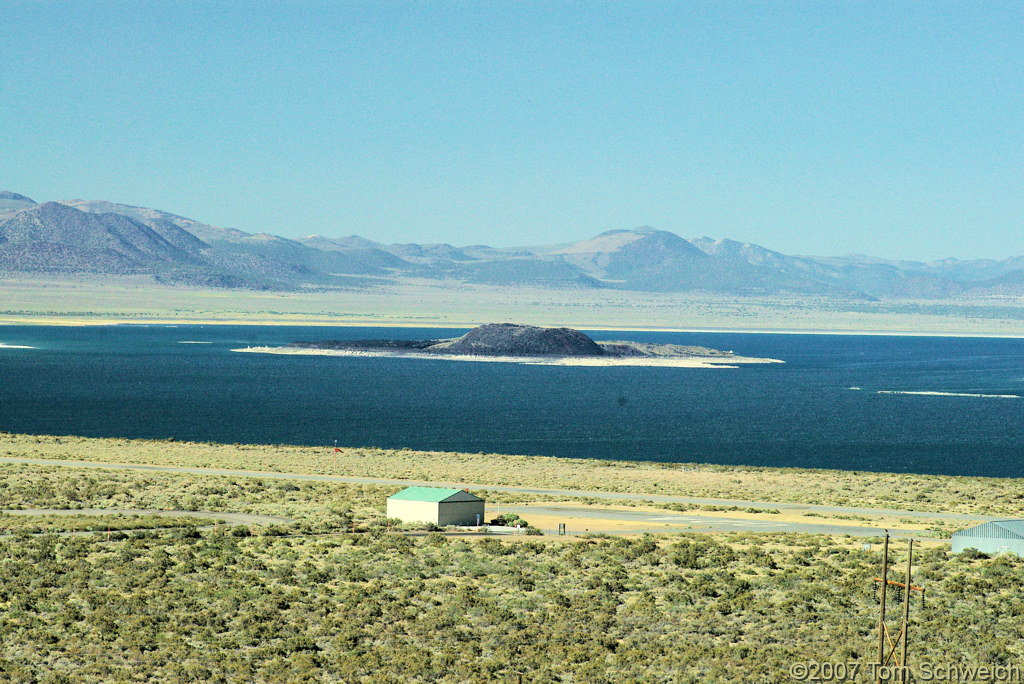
point(436, 505)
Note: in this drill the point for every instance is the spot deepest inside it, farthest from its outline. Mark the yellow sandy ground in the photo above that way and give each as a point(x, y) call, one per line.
point(578, 524)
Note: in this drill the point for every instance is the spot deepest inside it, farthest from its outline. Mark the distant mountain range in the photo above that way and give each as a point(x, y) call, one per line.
point(98, 237)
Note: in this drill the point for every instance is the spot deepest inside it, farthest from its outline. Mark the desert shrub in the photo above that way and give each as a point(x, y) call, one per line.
point(508, 520)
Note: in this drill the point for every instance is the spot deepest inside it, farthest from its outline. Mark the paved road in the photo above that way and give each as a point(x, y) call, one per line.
point(693, 522)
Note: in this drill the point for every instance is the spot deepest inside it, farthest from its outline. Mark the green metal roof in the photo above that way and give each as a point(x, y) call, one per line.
point(435, 494)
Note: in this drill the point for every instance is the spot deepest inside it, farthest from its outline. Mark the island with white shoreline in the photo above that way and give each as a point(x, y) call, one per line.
point(515, 343)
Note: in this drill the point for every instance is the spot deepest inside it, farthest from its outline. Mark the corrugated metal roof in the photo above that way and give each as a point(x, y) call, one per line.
point(432, 494)
point(996, 529)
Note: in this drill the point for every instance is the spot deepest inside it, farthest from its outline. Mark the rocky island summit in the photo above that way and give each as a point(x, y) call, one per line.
point(512, 342)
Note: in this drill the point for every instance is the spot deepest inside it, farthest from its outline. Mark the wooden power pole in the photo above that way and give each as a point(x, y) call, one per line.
point(881, 610)
point(900, 660)
point(905, 632)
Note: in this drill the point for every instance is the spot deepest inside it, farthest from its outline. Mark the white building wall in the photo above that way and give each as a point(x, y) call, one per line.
point(441, 514)
point(414, 511)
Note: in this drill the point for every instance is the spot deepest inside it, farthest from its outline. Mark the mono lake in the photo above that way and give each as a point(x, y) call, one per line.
point(914, 404)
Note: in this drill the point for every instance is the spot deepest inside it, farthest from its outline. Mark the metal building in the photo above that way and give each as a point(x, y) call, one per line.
point(435, 505)
point(993, 537)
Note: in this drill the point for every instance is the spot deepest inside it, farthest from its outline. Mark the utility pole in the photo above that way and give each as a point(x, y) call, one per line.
point(881, 610)
point(906, 609)
point(883, 632)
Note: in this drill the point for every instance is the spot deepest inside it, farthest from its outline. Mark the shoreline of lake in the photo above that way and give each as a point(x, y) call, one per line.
point(590, 361)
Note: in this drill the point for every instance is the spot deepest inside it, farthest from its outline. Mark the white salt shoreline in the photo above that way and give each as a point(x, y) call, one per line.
point(950, 394)
point(661, 362)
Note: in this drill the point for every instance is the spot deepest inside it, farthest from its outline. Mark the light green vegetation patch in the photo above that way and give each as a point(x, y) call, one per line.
point(315, 506)
point(43, 486)
point(185, 607)
point(988, 496)
point(64, 524)
point(312, 601)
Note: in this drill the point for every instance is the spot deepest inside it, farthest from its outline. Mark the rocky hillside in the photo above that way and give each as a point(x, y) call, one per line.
point(100, 237)
point(12, 201)
point(60, 239)
point(52, 237)
point(516, 340)
point(510, 339)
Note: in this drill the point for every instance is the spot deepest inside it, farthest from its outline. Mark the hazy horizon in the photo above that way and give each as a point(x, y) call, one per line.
point(510, 245)
point(819, 129)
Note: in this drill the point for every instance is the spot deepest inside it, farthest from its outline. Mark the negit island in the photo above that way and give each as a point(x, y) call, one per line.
point(515, 343)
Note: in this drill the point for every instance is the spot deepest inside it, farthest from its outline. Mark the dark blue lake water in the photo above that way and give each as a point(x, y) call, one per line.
point(154, 381)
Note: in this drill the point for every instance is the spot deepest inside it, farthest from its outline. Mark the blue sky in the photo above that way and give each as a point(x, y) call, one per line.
point(892, 129)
